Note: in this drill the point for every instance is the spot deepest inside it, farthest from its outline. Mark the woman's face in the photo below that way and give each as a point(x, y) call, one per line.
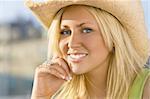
point(81, 43)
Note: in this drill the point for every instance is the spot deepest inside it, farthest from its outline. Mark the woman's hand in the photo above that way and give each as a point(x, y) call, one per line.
point(49, 77)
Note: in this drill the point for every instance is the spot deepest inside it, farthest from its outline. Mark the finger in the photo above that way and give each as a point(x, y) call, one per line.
point(58, 68)
point(56, 73)
point(61, 70)
point(60, 65)
point(52, 71)
point(64, 64)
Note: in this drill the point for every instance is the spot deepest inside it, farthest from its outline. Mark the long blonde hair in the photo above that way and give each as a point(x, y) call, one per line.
point(124, 63)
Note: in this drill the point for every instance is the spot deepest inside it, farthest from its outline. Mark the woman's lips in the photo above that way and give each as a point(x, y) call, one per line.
point(76, 57)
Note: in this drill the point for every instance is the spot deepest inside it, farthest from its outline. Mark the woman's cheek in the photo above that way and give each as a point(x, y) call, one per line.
point(63, 47)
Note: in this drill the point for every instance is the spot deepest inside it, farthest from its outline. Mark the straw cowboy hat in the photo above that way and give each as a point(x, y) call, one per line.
point(128, 12)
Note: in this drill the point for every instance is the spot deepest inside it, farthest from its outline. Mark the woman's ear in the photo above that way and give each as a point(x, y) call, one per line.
point(113, 50)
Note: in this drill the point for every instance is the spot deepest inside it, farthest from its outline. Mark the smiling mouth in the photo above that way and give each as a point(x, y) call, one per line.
point(76, 57)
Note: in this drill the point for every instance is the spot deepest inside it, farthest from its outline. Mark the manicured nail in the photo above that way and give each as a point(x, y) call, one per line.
point(62, 76)
point(68, 78)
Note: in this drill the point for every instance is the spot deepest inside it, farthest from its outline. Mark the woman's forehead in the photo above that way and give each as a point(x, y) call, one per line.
point(77, 14)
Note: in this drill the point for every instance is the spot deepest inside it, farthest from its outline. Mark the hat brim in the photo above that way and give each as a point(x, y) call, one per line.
point(128, 12)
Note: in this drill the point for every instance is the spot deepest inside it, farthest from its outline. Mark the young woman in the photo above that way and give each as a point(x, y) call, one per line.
point(93, 53)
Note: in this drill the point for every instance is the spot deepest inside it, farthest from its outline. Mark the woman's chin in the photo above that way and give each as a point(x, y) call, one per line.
point(76, 71)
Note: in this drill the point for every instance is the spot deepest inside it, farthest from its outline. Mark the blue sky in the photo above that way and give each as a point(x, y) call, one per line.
point(146, 6)
point(10, 9)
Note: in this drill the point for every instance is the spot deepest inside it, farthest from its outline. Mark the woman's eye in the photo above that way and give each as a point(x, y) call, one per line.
point(87, 30)
point(65, 32)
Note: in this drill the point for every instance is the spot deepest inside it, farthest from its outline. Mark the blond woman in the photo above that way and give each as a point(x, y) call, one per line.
point(97, 50)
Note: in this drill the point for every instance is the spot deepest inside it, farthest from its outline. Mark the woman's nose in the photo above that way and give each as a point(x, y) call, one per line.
point(74, 40)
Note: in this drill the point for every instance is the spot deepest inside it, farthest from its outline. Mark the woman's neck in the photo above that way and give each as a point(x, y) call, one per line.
point(97, 81)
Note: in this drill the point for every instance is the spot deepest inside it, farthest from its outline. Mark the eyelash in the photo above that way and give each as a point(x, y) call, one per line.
point(89, 30)
point(63, 32)
point(82, 30)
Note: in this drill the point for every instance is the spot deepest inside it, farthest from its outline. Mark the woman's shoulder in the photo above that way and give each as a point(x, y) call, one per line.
point(146, 92)
point(141, 85)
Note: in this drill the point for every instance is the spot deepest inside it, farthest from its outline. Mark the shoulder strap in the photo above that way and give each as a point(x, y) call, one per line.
point(138, 85)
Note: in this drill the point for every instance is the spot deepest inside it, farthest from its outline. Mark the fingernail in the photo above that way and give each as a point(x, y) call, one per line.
point(68, 78)
point(62, 76)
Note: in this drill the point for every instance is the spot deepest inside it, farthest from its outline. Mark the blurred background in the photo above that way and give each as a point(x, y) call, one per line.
point(23, 46)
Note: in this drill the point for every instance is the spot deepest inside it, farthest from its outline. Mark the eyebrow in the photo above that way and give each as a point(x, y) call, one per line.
point(80, 24)
point(77, 25)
